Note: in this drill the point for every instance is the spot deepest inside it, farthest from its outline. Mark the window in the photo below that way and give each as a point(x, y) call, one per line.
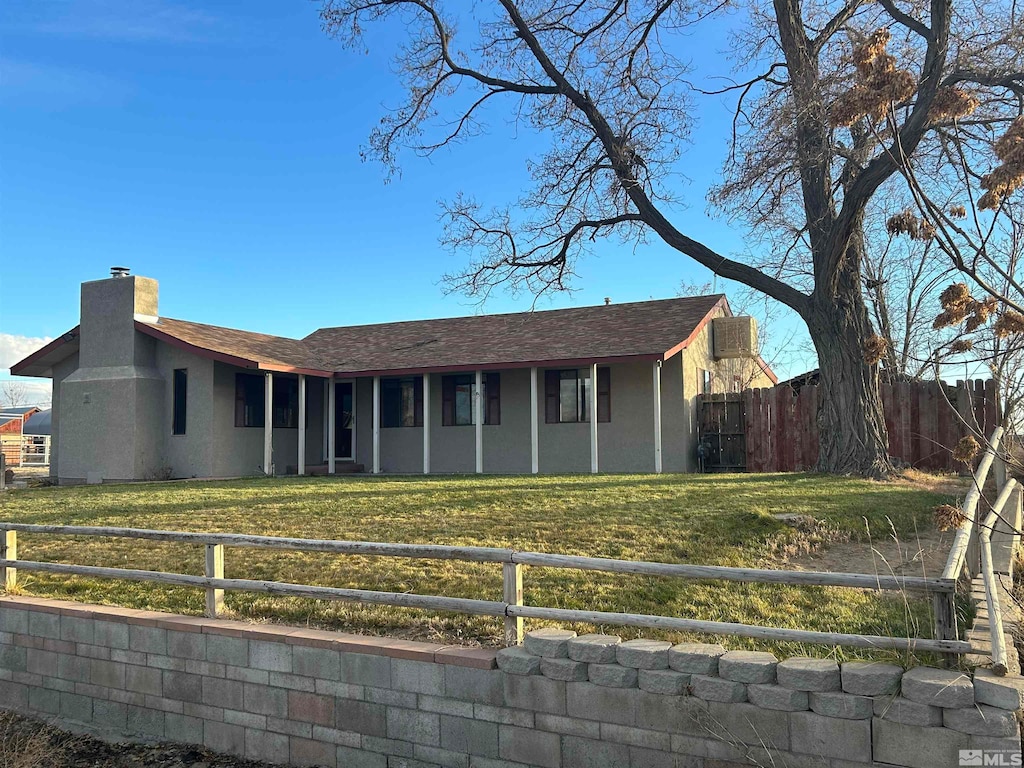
point(706, 381)
point(401, 402)
point(737, 384)
point(567, 395)
point(457, 399)
point(249, 400)
point(286, 403)
point(180, 401)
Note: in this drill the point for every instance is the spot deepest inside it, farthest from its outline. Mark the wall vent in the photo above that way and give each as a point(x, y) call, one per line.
point(734, 337)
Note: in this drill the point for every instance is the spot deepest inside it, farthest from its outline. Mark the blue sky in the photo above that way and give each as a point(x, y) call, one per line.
point(215, 147)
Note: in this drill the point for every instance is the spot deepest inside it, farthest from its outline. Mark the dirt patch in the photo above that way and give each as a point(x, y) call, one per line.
point(923, 554)
point(28, 743)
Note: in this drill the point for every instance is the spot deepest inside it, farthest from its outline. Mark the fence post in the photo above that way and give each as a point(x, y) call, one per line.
point(214, 570)
point(945, 616)
point(512, 578)
point(9, 551)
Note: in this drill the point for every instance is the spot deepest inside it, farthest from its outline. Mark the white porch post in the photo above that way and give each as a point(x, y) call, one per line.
point(302, 424)
point(657, 416)
point(534, 436)
point(426, 423)
point(376, 425)
point(478, 418)
point(332, 436)
point(268, 424)
point(592, 405)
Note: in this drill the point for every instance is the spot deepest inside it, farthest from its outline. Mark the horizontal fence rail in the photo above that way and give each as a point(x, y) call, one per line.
point(511, 607)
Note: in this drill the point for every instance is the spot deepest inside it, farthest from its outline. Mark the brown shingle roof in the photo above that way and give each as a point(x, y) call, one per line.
point(646, 329)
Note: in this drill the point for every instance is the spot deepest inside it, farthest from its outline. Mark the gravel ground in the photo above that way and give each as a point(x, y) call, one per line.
point(28, 743)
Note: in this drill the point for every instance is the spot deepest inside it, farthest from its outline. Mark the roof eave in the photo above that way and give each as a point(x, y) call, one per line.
point(31, 365)
point(501, 365)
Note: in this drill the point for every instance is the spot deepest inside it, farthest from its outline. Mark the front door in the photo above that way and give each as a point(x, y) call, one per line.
point(345, 421)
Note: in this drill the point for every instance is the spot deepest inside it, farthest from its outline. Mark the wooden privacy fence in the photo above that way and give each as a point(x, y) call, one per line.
point(511, 607)
point(776, 429)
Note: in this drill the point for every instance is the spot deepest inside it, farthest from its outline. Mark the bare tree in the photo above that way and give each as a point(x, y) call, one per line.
point(13, 394)
point(830, 119)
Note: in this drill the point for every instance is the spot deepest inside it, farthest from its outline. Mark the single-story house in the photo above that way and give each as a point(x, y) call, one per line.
point(609, 388)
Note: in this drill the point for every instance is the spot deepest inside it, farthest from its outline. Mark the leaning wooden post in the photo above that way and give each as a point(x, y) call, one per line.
point(214, 570)
point(9, 551)
point(512, 577)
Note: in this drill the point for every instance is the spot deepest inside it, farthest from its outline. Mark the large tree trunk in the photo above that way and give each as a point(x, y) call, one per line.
point(851, 427)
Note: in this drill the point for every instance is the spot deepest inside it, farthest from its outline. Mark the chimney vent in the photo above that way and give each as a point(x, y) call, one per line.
point(119, 271)
point(607, 300)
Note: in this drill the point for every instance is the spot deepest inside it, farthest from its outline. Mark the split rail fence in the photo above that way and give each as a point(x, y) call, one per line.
point(511, 607)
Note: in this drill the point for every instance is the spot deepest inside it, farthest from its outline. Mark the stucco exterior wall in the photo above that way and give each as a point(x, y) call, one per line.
point(190, 454)
point(61, 371)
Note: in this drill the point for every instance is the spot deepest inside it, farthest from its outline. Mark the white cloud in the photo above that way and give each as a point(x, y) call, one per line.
point(12, 349)
point(133, 21)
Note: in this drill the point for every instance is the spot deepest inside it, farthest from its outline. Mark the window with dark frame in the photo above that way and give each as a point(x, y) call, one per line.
point(180, 384)
point(457, 399)
point(249, 405)
point(286, 403)
point(567, 394)
point(707, 381)
point(401, 402)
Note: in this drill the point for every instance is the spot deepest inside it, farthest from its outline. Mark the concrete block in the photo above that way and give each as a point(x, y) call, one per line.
point(594, 702)
point(146, 722)
point(273, 657)
point(391, 747)
point(144, 680)
point(717, 689)
point(569, 726)
point(44, 700)
point(182, 729)
point(643, 654)
point(410, 725)
point(13, 621)
point(594, 649)
point(113, 716)
point(444, 706)
point(290, 681)
point(901, 710)
point(222, 649)
point(159, 661)
point(436, 757)
point(695, 658)
point(664, 681)
point(981, 720)
point(674, 714)
point(748, 666)
point(245, 719)
point(364, 669)
point(76, 708)
point(206, 668)
point(360, 758)
point(776, 697)
point(391, 698)
point(309, 752)
point(227, 694)
point(807, 674)
point(1009, 745)
point(871, 678)
point(1003, 692)
point(311, 708)
point(109, 674)
point(341, 690)
point(486, 686)
point(748, 724)
point(77, 629)
point(536, 693)
point(417, 677)
point(461, 734)
point(914, 746)
point(14, 696)
point(14, 658)
point(638, 737)
point(503, 715)
point(846, 706)
point(264, 700)
point(361, 717)
point(639, 757)
point(74, 669)
point(529, 746)
point(318, 663)
point(186, 645)
point(612, 675)
point(820, 736)
point(110, 634)
point(147, 639)
point(518, 661)
point(44, 624)
point(586, 753)
point(266, 746)
point(563, 669)
point(944, 688)
point(549, 642)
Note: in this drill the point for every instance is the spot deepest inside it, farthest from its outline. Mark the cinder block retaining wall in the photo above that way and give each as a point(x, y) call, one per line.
point(309, 697)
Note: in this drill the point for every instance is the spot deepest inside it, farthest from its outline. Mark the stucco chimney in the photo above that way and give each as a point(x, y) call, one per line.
point(110, 308)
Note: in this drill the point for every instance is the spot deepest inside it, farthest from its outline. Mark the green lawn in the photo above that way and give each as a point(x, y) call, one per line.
point(711, 519)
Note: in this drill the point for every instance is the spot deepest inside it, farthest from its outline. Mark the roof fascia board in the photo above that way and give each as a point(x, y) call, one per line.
point(501, 366)
point(721, 303)
point(54, 345)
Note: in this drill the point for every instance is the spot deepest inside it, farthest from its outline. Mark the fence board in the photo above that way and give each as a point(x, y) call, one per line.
point(924, 420)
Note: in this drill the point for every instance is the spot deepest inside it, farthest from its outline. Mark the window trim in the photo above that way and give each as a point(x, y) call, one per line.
point(553, 378)
point(491, 394)
point(179, 421)
point(241, 401)
point(417, 385)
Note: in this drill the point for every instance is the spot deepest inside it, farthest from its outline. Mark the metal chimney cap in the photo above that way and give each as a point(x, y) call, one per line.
point(120, 271)
point(607, 300)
